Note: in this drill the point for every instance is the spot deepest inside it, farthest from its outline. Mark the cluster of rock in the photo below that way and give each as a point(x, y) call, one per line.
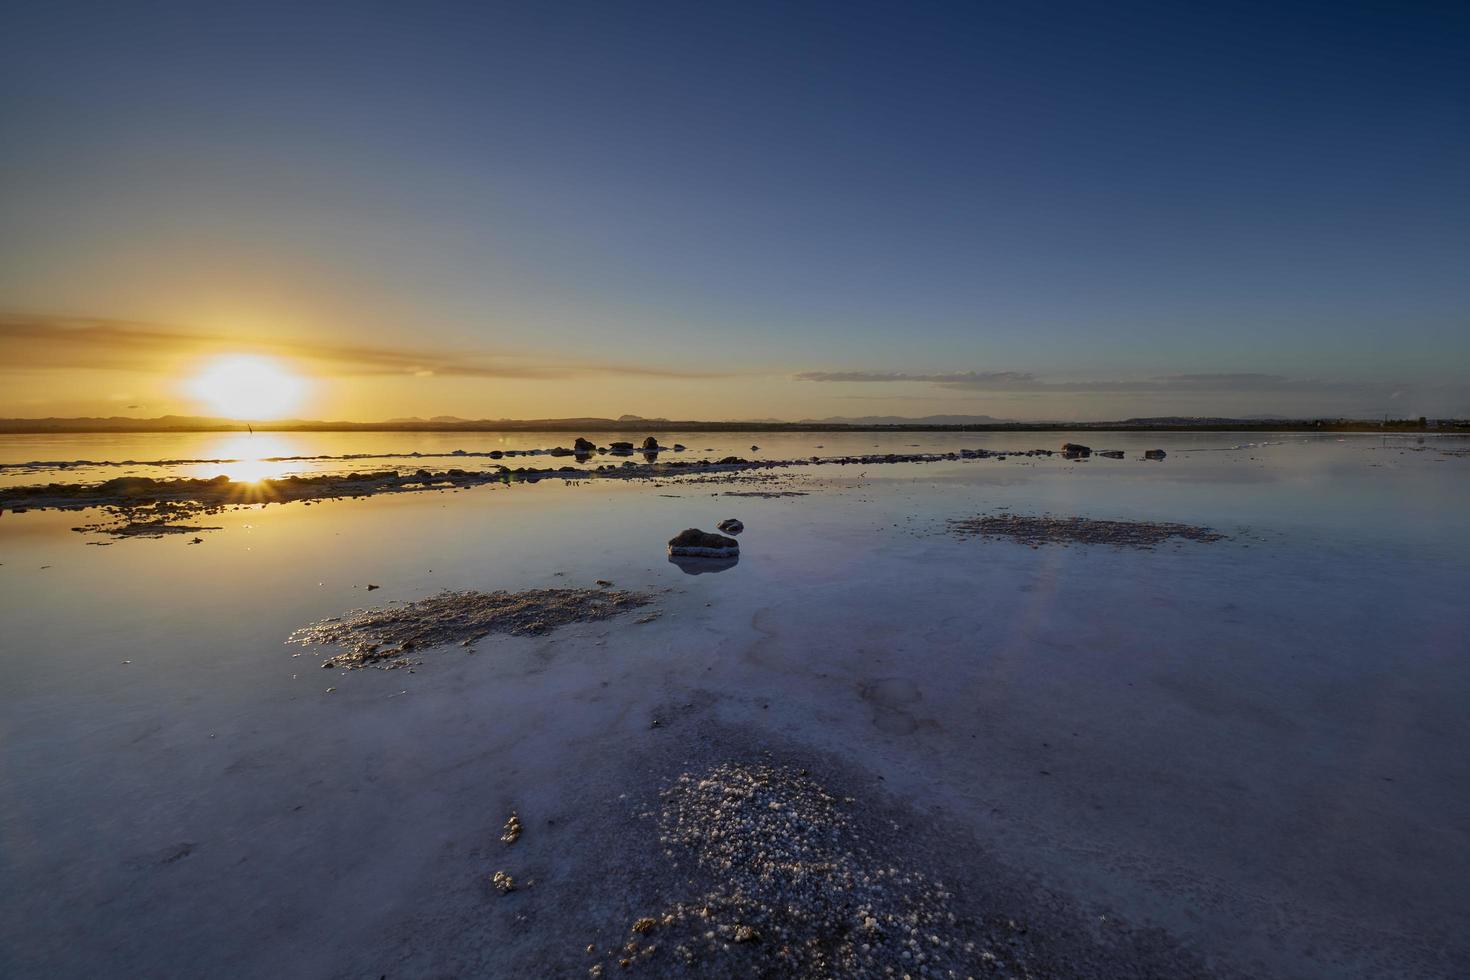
point(585, 447)
point(1072, 450)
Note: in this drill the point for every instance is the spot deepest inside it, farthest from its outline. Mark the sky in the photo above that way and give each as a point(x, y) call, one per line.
point(726, 211)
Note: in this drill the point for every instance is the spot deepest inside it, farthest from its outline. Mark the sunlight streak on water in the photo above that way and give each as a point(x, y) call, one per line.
point(245, 458)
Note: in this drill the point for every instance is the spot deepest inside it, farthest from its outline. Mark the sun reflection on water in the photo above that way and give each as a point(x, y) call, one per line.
point(247, 458)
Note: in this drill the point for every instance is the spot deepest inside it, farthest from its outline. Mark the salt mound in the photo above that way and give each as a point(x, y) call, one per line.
point(386, 636)
point(1080, 530)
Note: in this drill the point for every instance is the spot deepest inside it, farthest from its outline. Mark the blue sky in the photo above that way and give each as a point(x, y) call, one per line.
point(794, 210)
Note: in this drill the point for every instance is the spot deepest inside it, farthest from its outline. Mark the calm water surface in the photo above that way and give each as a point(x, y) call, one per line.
point(1269, 731)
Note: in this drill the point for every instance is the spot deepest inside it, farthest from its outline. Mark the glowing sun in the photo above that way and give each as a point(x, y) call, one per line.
point(243, 386)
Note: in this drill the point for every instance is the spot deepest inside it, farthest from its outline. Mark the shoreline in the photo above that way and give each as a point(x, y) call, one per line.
point(219, 491)
point(642, 426)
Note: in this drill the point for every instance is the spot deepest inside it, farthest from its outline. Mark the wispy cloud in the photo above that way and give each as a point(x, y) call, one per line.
point(1002, 381)
point(1324, 395)
point(961, 379)
point(38, 341)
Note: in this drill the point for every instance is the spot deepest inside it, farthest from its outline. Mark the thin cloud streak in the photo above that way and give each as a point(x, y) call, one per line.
point(1025, 381)
point(41, 341)
point(961, 379)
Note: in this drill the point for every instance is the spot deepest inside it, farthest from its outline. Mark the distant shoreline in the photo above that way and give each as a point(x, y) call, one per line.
point(183, 425)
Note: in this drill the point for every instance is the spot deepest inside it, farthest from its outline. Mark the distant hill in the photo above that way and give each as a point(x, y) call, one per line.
point(898, 420)
point(632, 423)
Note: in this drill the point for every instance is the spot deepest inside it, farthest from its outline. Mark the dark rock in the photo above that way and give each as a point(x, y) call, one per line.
point(620, 447)
point(1111, 453)
point(731, 525)
point(1072, 450)
point(678, 448)
point(755, 449)
point(1154, 454)
point(583, 445)
point(651, 444)
point(694, 543)
point(731, 460)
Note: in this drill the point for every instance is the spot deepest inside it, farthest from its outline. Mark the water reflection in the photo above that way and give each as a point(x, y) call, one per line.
point(247, 457)
point(699, 566)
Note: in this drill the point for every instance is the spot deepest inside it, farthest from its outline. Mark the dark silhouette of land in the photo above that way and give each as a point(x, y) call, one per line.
point(633, 423)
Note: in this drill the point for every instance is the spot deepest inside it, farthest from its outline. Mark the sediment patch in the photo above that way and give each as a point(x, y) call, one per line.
point(391, 636)
point(796, 889)
point(1047, 529)
point(150, 521)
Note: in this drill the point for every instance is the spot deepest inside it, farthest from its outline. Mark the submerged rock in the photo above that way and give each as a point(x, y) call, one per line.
point(731, 525)
point(1111, 453)
point(694, 543)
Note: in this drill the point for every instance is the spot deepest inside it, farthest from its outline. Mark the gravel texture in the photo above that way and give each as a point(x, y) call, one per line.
point(772, 874)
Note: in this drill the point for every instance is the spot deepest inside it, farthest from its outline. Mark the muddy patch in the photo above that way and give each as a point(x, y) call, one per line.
point(392, 636)
point(1047, 529)
point(150, 521)
point(891, 699)
point(765, 494)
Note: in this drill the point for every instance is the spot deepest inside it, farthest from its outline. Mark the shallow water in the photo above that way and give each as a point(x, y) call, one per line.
point(1255, 743)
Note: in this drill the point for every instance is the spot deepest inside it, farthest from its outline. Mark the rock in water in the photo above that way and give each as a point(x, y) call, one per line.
point(583, 445)
point(1154, 454)
point(512, 829)
point(651, 445)
point(1111, 453)
point(1073, 450)
point(731, 525)
point(620, 447)
point(694, 543)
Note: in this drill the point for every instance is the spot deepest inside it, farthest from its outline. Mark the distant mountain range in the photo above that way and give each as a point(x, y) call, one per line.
point(634, 423)
point(898, 420)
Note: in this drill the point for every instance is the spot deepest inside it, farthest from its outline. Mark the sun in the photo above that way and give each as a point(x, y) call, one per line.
point(244, 386)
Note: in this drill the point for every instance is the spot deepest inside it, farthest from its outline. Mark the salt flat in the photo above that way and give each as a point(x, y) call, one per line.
point(1232, 757)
